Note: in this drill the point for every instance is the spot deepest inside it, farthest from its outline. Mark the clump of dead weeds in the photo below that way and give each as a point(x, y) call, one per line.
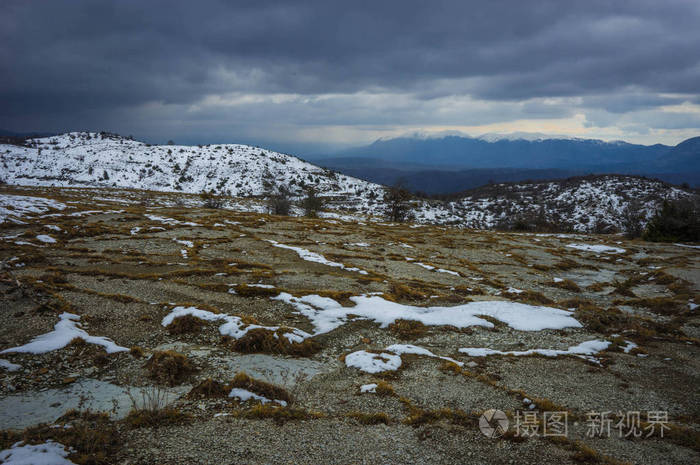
point(530, 297)
point(418, 416)
point(568, 285)
point(169, 367)
point(261, 340)
point(370, 418)
point(92, 438)
point(270, 391)
point(186, 324)
point(153, 418)
point(660, 305)
point(209, 389)
point(245, 290)
point(408, 329)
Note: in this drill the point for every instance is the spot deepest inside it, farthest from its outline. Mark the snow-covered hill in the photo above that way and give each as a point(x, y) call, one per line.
point(582, 204)
point(106, 160)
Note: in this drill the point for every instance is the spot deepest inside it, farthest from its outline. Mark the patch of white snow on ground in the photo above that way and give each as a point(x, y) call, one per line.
point(583, 350)
point(368, 388)
point(18, 206)
point(9, 366)
point(373, 363)
point(598, 248)
point(46, 239)
point(65, 331)
point(245, 395)
point(411, 349)
point(629, 346)
point(170, 221)
point(232, 325)
point(433, 268)
point(326, 314)
point(48, 453)
point(314, 257)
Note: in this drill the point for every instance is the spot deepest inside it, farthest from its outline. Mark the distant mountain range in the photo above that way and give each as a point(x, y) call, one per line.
point(453, 163)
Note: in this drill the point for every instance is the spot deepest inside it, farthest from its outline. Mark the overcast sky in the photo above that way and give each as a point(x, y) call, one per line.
point(311, 75)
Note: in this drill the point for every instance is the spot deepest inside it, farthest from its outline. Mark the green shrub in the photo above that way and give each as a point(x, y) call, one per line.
point(676, 221)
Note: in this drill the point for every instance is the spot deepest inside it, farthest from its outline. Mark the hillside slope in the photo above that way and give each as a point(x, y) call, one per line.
point(107, 160)
point(103, 160)
point(583, 204)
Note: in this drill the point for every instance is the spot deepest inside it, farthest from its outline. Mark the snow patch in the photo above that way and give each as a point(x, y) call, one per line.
point(314, 257)
point(46, 239)
point(583, 350)
point(245, 395)
point(598, 248)
point(373, 363)
point(232, 325)
point(14, 207)
point(48, 453)
point(326, 314)
point(9, 366)
point(416, 350)
point(64, 332)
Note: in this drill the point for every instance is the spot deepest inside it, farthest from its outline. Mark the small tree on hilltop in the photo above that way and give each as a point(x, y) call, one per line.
point(398, 203)
point(279, 202)
point(632, 220)
point(312, 203)
point(211, 200)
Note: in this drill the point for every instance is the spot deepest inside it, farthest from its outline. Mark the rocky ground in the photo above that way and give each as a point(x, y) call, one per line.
point(122, 262)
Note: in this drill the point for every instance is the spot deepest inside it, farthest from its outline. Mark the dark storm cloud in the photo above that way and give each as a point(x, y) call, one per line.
point(59, 60)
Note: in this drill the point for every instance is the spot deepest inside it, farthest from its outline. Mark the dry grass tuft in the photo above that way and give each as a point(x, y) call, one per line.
point(153, 418)
point(596, 319)
point(568, 285)
point(531, 298)
point(408, 329)
point(186, 324)
point(384, 389)
point(272, 392)
point(245, 290)
point(93, 438)
point(169, 367)
point(136, 352)
point(598, 286)
point(398, 292)
point(660, 305)
point(260, 340)
point(208, 389)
